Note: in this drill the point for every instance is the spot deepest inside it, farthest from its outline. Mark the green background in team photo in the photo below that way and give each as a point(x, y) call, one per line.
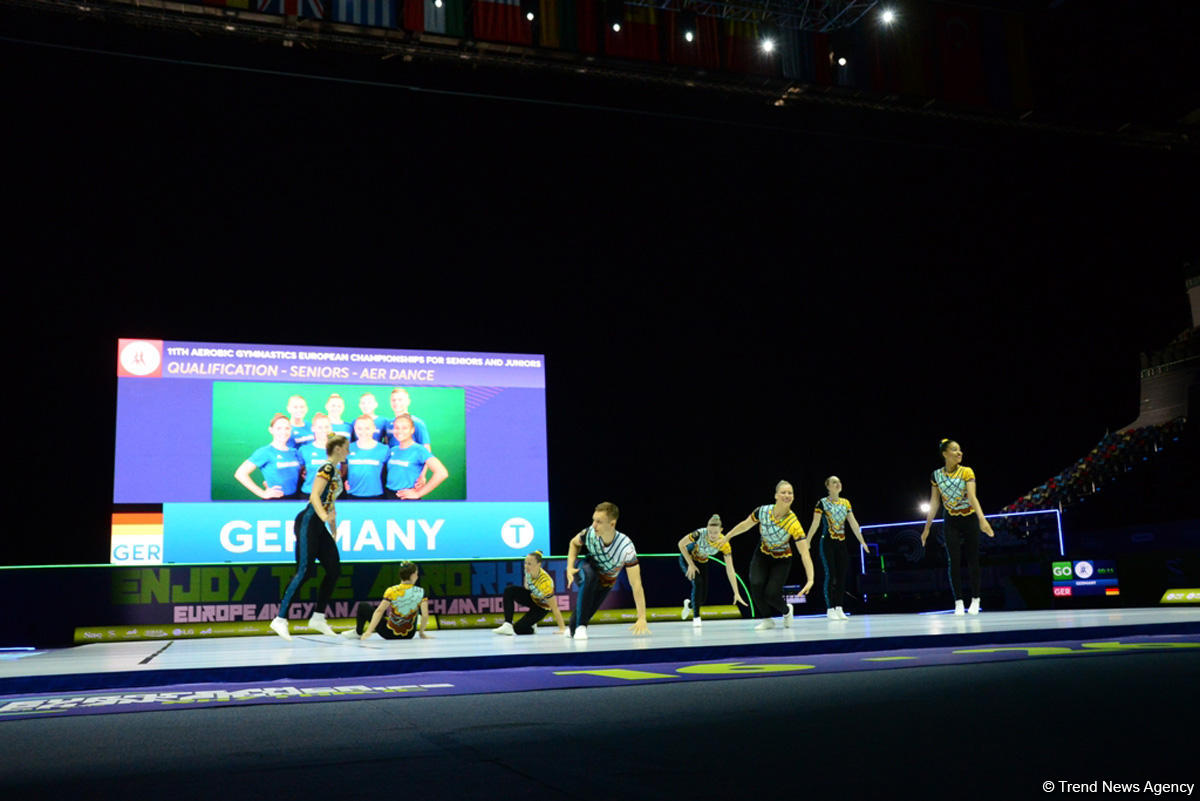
point(242, 413)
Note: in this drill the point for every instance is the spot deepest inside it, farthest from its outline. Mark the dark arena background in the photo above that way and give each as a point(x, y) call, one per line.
point(744, 242)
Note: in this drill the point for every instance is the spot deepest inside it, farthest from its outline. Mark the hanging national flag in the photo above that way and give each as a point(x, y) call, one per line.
point(913, 54)
point(424, 16)
point(550, 23)
point(559, 24)
point(377, 13)
point(587, 25)
point(638, 37)
point(703, 52)
point(313, 9)
point(501, 21)
point(741, 49)
point(961, 65)
point(1005, 60)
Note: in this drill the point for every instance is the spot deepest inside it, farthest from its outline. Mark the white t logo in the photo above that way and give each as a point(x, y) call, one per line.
point(517, 532)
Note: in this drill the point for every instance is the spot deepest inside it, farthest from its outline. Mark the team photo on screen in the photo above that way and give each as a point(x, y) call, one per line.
point(269, 440)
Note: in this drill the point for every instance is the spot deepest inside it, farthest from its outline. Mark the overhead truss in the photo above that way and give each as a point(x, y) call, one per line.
point(803, 15)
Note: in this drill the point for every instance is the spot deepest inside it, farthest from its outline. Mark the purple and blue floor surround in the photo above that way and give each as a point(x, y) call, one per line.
point(105, 678)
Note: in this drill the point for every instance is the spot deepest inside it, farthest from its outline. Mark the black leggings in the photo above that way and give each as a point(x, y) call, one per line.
point(767, 577)
point(961, 534)
point(591, 594)
point(514, 595)
point(313, 543)
point(836, 562)
point(366, 612)
point(699, 584)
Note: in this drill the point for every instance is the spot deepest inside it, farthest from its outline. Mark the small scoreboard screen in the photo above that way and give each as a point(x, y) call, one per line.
point(1085, 578)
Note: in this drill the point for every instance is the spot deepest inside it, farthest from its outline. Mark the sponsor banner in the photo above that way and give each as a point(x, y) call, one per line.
point(205, 696)
point(235, 592)
point(526, 679)
point(166, 598)
point(193, 621)
point(394, 530)
point(162, 598)
point(1181, 596)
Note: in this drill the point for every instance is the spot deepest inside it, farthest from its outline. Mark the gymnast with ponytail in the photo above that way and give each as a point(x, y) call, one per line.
point(954, 488)
point(830, 518)
point(695, 550)
point(536, 592)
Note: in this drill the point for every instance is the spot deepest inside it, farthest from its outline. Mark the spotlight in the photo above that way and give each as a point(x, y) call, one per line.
point(924, 507)
point(614, 13)
point(529, 9)
point(887, 16)
point(768, 37)
point(437, 3)
point(687, 24)
point(841, 43)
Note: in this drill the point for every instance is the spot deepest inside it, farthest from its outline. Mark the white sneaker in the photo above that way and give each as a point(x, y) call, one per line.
point(687, 609)
point(787, 617)
point(280, 627)
point(841, 614)
point(973, 609)
point(958, 608)
point(832, 614)
point(351, 634)
point(695, 624)
point(504, 628)
point(766, 623)
point(317, 621)
point(581, 632)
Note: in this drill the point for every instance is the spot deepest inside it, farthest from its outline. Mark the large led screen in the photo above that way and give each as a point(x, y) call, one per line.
point(217, 445)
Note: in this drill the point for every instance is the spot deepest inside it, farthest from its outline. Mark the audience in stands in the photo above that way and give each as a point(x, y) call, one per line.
point(1115, 454)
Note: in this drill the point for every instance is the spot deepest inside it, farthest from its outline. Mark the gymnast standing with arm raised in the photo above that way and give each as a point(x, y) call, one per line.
point(954, 488)
point(779, 530)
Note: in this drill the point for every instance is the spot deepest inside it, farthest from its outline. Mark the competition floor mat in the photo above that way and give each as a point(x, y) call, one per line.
point(549, 677)
point(259, 661)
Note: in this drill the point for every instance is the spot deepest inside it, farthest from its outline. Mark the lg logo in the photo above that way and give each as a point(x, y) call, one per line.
point(517, 533)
